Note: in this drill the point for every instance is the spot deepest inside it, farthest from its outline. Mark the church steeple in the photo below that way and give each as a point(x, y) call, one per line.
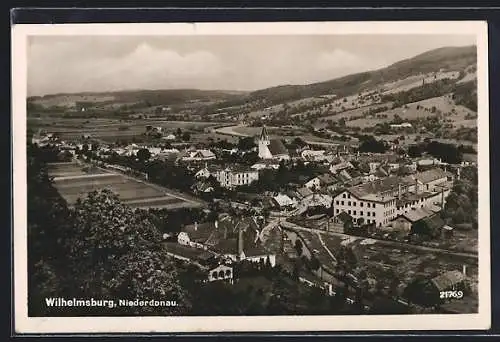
point(263, 134)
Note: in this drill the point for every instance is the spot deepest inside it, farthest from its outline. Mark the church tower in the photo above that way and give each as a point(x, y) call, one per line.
point(264, 141)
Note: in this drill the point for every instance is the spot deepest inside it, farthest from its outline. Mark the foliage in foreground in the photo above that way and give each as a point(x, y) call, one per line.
point(99, 249)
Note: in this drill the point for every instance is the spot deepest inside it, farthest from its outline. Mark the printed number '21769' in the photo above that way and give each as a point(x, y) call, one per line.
point(451, 294)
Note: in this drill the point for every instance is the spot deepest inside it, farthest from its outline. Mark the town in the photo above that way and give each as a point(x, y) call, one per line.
point(274, 214)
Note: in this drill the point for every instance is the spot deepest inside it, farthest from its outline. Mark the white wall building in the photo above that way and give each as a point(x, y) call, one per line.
point(381, 201)
point(231, 177)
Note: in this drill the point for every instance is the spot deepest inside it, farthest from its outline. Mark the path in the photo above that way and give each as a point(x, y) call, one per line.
point(80, 176)
point(326, 248)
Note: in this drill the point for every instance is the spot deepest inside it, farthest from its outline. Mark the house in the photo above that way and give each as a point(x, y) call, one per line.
point(196, 235)
point(203, 173)
point(402, 125)
point(283, 201)
point(432, 178)
point(405, 221)
point(382, 200)
point(169, 137)
point(447, 281)
point(266, 164)
point(154, 151)
point(428, 162)
point(430, 226)
point(327, 181)
point(339, 164)
point(202, 187)
point(221, 273)
point(313, 183)
point(198, 155)
point(446, 232)
point(206, 172)
point(271, 148)
point(243, 241)
point(469, 159)
point(316, 200)
point(313, 155)
point(231, 177)
point(303, 192)
point(168, 154)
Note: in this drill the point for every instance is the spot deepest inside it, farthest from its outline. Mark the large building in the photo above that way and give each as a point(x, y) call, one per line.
point(381, 201)
point(271, 148)
point(232, 177)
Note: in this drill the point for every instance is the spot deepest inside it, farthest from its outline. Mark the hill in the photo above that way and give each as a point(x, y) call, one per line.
point(446, 59)
point(149, 97)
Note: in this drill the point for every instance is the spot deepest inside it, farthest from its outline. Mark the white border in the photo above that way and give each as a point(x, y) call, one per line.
point(25, 324)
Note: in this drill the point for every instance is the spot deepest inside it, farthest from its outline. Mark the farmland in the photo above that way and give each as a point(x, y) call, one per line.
point(73, 182)
point(417, 80)
point(108, 129)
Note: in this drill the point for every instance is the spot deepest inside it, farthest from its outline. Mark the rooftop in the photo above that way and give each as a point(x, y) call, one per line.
point(276, 147)
point(417, 214)
point(373, 189)
point(447, 280)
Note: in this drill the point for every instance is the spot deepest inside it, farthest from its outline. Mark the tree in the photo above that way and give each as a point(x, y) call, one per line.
point(415, 151)
point(360, 221)
point(314, 263)
point(186, 136)
point(143, 154)
point(370, 144)
point(246, 143)
point(348, 225)
point(178, 132)
point(298, 247)
point(115, 253)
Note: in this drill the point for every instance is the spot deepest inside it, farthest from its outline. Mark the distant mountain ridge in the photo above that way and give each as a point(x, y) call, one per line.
point(447, 58)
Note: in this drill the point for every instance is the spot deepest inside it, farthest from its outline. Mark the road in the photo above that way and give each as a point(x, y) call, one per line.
point(229, 130)
point(393, 244)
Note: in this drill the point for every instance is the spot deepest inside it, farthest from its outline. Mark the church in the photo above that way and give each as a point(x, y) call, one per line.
point(271, 148)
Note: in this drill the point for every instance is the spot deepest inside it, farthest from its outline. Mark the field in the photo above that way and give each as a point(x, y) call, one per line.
point(108, 129)
point(73, 182)
point(456, 115)
point(71, 99)
point(357, 111)
point(416, 81)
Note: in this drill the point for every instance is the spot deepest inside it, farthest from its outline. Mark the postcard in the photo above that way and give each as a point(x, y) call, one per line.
point(251, 177)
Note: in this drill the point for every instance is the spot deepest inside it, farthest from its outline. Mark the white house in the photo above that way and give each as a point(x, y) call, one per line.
point(313, 183)
point(221, 273)
point(402, 125)
point(266, 164)
point(169, 137)
point(284, 201)
point(315, 155)
point(203, 173)
point(232, 177)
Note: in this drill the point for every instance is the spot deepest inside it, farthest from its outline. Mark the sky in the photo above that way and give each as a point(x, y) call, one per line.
point(70, 64)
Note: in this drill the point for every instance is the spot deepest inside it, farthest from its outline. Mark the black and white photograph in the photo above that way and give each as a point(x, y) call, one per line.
point(251, 177)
